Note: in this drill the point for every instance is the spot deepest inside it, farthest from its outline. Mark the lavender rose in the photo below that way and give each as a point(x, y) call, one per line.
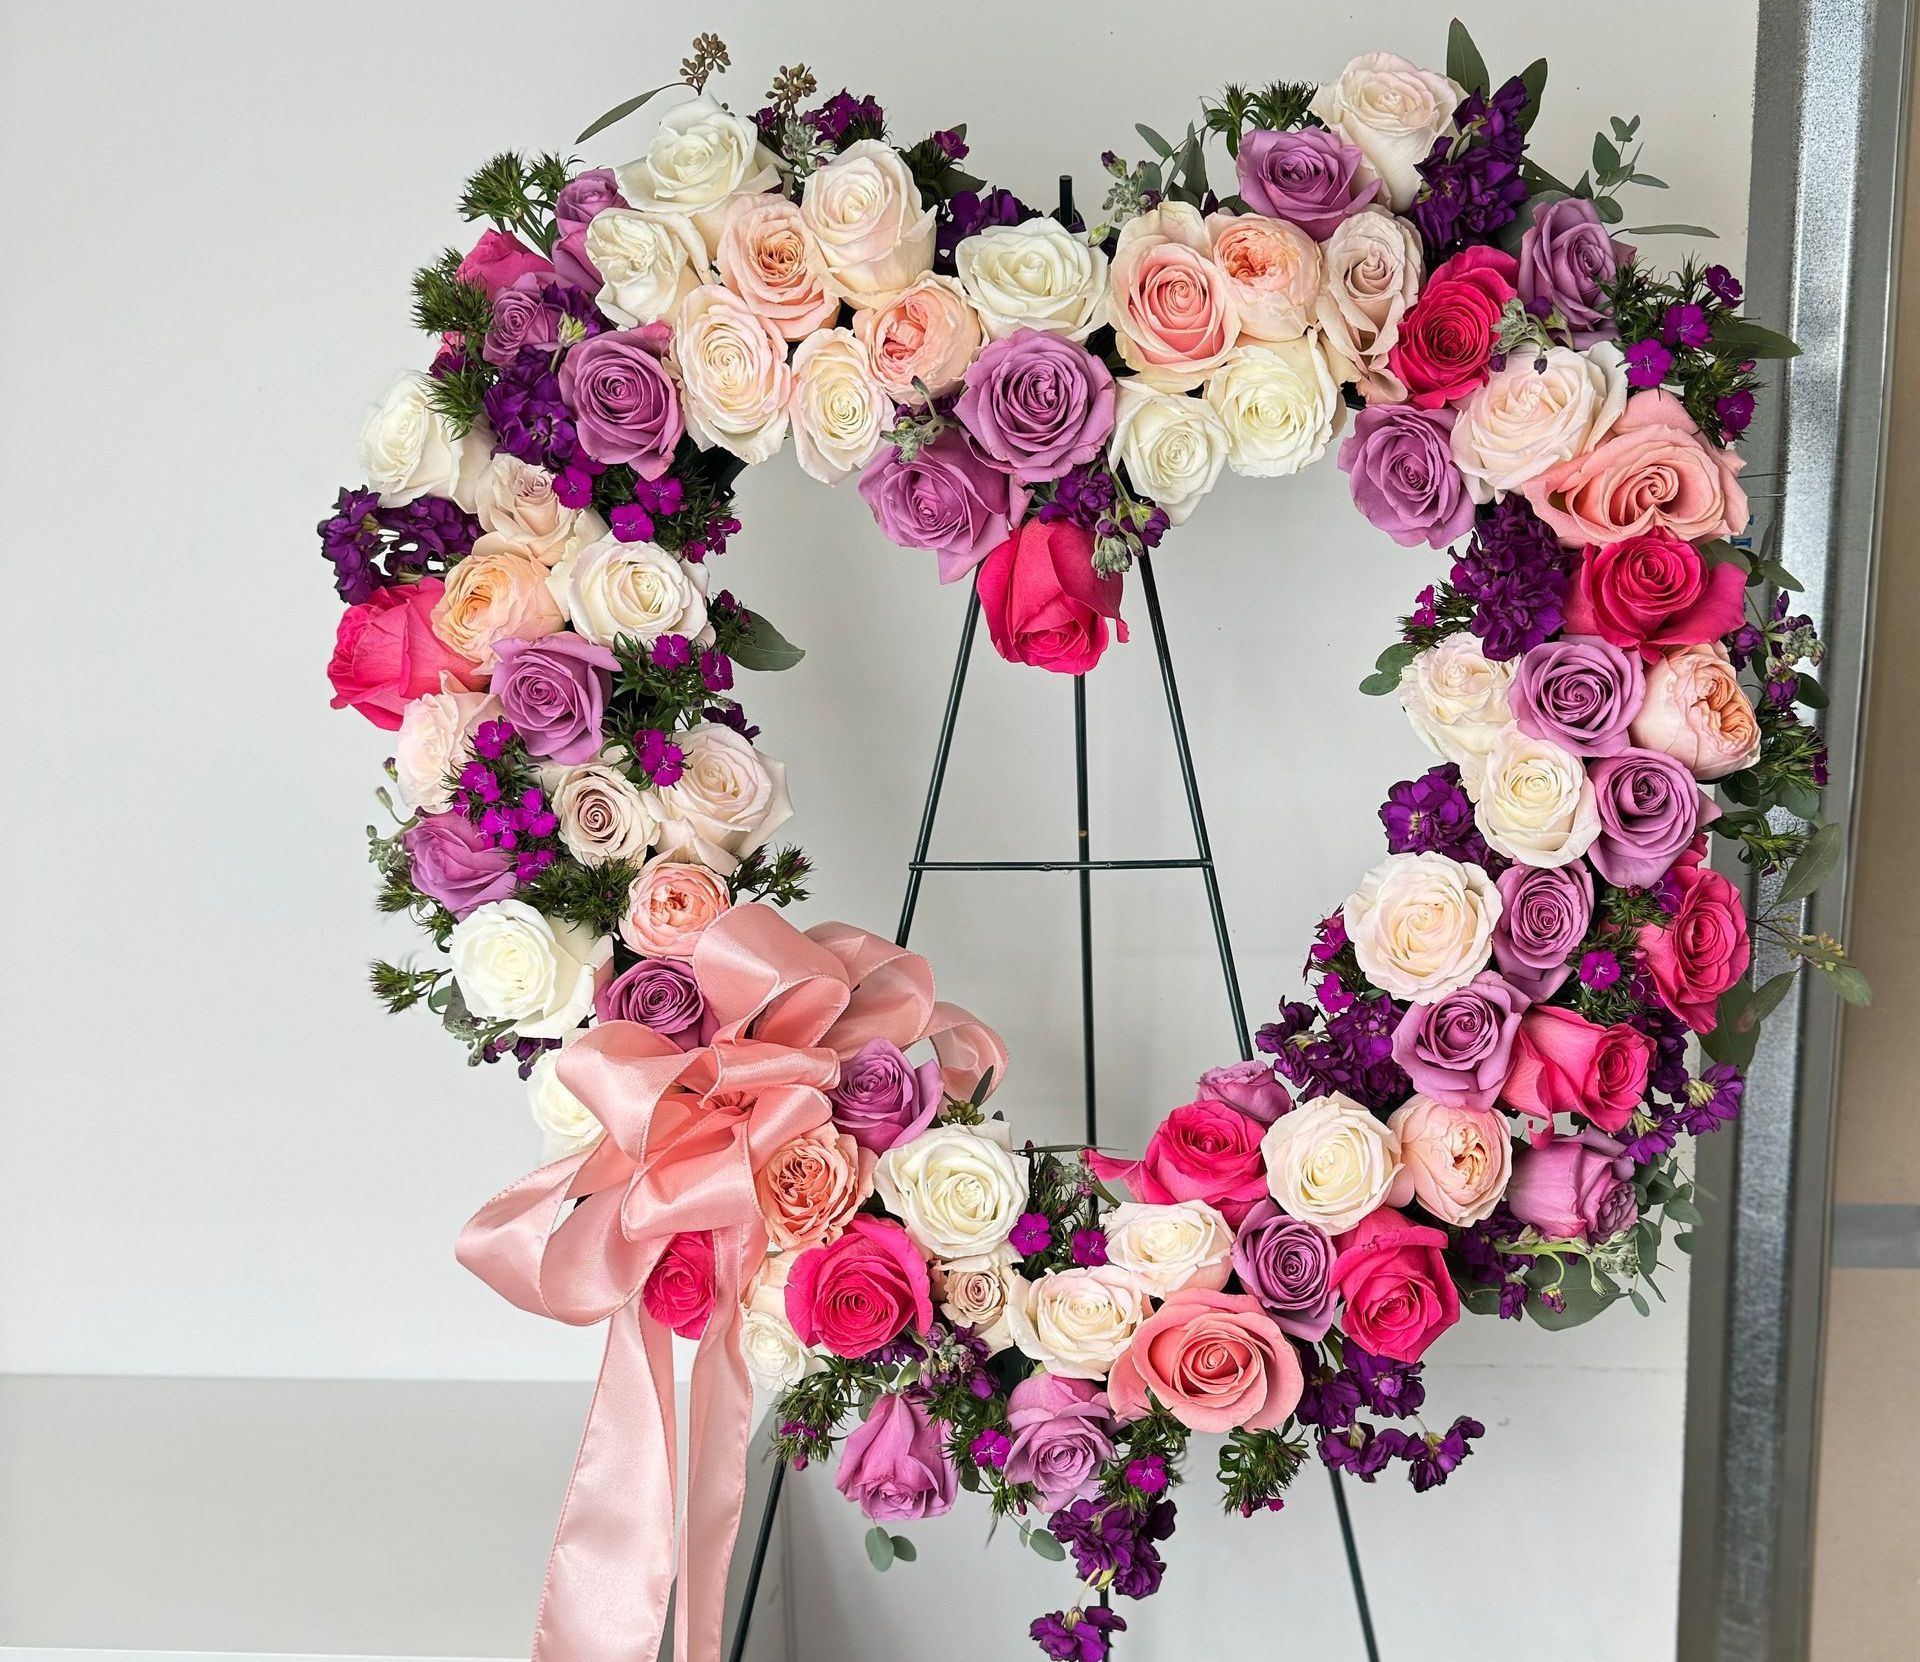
point(1062, 1436)
point(1577, 1188)
point(1038, 404)
point(882, 1098)
point(661, 993)
point(1287, 1264)
point(585, 195)
point(894, 1466)
point(623, 401)
point(554, 691)
point(1544, 916)
point(1649, 808)
point(1566, 260)
point(1310, 178)
point(451, 862)
point(521, 317)
point(1578, 692)
point(1249, 1087)
point(1456, 1050)
point(950, 499)
point(1399, 461)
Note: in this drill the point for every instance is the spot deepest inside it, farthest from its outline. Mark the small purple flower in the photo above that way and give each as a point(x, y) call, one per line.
point(1148, 1474)
point(1722, 285)
point(1599, 969)
point(1089, 1248)
point(1033, 1233)
point(1430, 1459)
point(990, 1448)
point(659, 757)
point(1682, 325)
point(951, 142)
point(1077, 1635)
point(671, 652)
point(1647, 363)
point(631, 523)
point(1735, 412)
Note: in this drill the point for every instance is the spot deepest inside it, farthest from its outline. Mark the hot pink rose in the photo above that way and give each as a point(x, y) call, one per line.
point(1045, 604)
point(1393, 1274)
point(1653, 591)
point(1698, 713)
point(1170, 304)
point(1563, 1063)
point(1704, 950)
point(498, 260)
point(1214, 1361)
point(1654, 470)
point(860, 1292)
point(679, 1292)
point(894, 1464)
point(386, 653)
point(1203, 1151)
point(1446, 343)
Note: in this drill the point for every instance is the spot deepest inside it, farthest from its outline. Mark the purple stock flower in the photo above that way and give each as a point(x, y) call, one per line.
point(1077, 1635)
point(1109, 1536)
point(967, 214)
point(372, 547)
point(1311, 177)
point(1430, 1458)
point(1400, 468)
point(1517, 575)
point(1433, 814)
point(529, 417)
point(1349, 1050)
point(844, 118)
point(1471, 186)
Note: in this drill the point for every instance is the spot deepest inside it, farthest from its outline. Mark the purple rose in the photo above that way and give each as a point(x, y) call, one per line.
point(1577, 1188)
point(1038, 404)
point(1456, 1049)
point(1400, 465)
point(661, 993)
point(521, 317)
point(622, 400)
point(1248, 1087)
point(1062, 1437)
point(554, 691)
point(585, 195)
point(1544, 916)
point(1578, 692)
point(950, 498)
point(1567, 259)
point(882, 1098)
point(1311, 177)
point(451, 862)
point(1649, 809)
point(1287, 1264)
point(894, 1465)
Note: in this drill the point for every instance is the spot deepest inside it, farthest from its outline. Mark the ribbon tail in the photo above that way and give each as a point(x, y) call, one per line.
point(720, 1428)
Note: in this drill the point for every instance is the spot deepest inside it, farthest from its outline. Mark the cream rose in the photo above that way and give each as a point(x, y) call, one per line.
point(1272, 270)
point(1167, 1247)
point(728, 800)
point(957, 1188)
point(1370, 272)
point(566, 1123)
point(734, 378)
point(1456, 700)
point(1422, 924)
point(613, 588)
point(839, 411)
point(1698, 713)
point(1035, 275)
point(514, 965)
point(435, 742)
point(768, 257)
point(1543, 408)
point(1459, 1159)
point(1533, 803)
point(1330, 1162)
point(602, 815)
point(865, 212)
point(1173, 447)
point(926, 333)
point(974, 1292)
point(515, 502)
point(700, 156)
point(409, 450)
point(1392, 111)
point(648, 263)
point(1076, 1322)
point(670, 906)
point(1279, 404)
point(1171, 307)
point(495, 594)
point(811, 1186)
point(774, 1354)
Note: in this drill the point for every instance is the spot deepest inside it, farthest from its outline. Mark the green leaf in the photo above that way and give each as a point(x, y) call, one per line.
point(766, 648)
point(1772, 571)
point(1684, 1243)
point(1809, 692)
point(1542, 183)
point(1609, 210)
point(1387, 668)
point(904, 1551)
point(1766, 999)
point(1648, 180)
point(1743, 336)
point(1639, 1301)
point(1729, 1042)
point(1849, 983)
point(982, 1090)
point(1676, 231)
point(1534, 79)
point(620, 112)
point(1464, 63)
point(1583, 1301)
point(1155, 142)
point(1606, 159)
point(1047, 1547)
point(880, 1548)
point(1481, 1299)
point(1684, 1211)
point(1814, 866)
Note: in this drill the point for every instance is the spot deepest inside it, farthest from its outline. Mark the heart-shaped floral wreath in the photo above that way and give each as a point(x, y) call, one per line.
point(1492, 1076)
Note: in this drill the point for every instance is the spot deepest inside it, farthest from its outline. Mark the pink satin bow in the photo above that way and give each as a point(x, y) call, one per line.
point(576, 1241)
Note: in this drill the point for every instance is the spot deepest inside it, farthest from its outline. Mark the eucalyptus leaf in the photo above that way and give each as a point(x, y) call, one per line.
point(1684, 1243)
point(1464, 63)
point(1684, 1211)
point(1155, 142)
point(1387, 669)
point(1047, 1547)
point(1481, 1299)
point(1649, 181)
point(1583, 1301)
point(1849, 983)
point(1639, 1301)
point(620, 112)
point(1751, 340)
point(1609, 210)
point(1606, 158)
point(1678, 231)
point(880, 1548)
point(766, 648)
point(904, 1551)
point(1801, 801)
point(1809, 692)
point(1814, 866)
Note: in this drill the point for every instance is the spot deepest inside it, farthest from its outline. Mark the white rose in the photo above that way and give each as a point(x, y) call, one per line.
point(1173, 447)
point(1370, 273)
point(409, 450)
point(864, 210)
point(648, 263)
point(1422, 924)
point(514, 965)
point(613, 588)
point(1165, 1248)
point(1279, 404)
point(1456, 699)
point(774, 1353)
point(1543, 408)
point(974, 1292)
point(734, 378)
point(957, 1188)
point(728, 800)
point(1035, 275)
point(1076, 1322)
point(602, 815)
point(839, 411)
point(1393, 111)
point(566, 1123)
point(1534, 802)
point(515, 501)
point(435, 741)
point(1331, 1162)
point(701, 156)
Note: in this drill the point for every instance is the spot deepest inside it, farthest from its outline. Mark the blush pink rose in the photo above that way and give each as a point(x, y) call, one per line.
point(1698, 713)
point(894, 1464)
point(1171, 306)
point(1460, 1158)
point(1214, 1361)
point(1654, 591)
point(670, 906)
point(679, 1292)
point(385, 654)
point(1653, 470)
point(860, 1292)
point(497, 593)
point(769, 258)
point(928, 332)
point(1045, 604)
point(1393, 1274)
point(499, 260)
point(812, 1186)
point(1565, 1064)
point(1704, 949)
point(1203, 1151)
point(1272, 270)
point(1447, 339)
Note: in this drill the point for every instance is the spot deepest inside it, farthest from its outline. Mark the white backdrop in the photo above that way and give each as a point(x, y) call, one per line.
point(218, 1156)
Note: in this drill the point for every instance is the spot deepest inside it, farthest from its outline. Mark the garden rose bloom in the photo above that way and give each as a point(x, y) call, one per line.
point(612, 588)
point(1533, 802)
point(1577, 1188)
point(1309, 177)
point(1567, 261)
point(1456, 697)
point(861, 1291)
point(498, 260)
point(866, 214)
point(495, 594)
point(1038, 404)
point(950, 499)
point(566, 1123)
point(1653, 591)
point(450, 861)
point(811, 1187)
point(957, 1188)
point(1698, 713)
point(894, 1464)
point(1165, 1246)
point(516, 504)
point(385, 654)
point(882, 1098)
point(973, 1291)
point(679, 1291)
point(1062, 1437)
point(1370, 274)
point(1215, 1361)
point(1565, 1064)
point(1579, 692)
point(647, 263)
point(1544, 915)
point(1279, 404)
point(1654, 470)
point(1392, 111)
point(1250, 1087)
point(1541, 409)
point(670, 906)
point(554, 691)
point(1458, 1154)
point(408, 449)
point(1034, 275)
point(622, 400)
point(1075, 1322)
point(1447, 340)
point(1331, 1162)
point(728, 800)
point(514, 965)
point(1202, 1151)
point(700, 156)
point(1456, 1049)
point(1393, 1274)
point(1649, 809)
point(660, 993)
point(1045, 605)
point(839, 411)
point(1404, 480)
point(435, 742)
point(1705, 949)
point(928, 333)
point(1272, 270)
point(733, 373)
point(1171, 306)
point(1287, 1264)
point(1422, 924)
point(1172, 447)
point(768, 257)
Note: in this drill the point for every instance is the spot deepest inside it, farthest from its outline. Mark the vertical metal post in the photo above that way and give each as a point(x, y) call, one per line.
point(1089, 1070)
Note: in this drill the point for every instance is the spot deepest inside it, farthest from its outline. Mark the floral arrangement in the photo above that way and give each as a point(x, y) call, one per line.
point(1481, 1104)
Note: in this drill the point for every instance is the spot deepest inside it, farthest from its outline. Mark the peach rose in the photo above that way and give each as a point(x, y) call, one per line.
point(769, 258)
point(1214, 1361)
point(1171, 307)
point(1653, 470)
point(1459, 1158)
point(670, 906)
point(497, 593)
point(1273, 273)
point(865, 211)
point(811, 1186)
point(928, 332)
point(1370, 271)
point(1697, 712)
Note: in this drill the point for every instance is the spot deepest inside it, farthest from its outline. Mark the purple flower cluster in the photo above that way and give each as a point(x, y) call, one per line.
point(844, 119)
point(1471, 185)
point(1349, 1050)
point(968, 213)
point(1517, 575)
point(530, 419)
point(1367, 1450)
point(1434, 814)
point(1479, 1250)
point(1077, 1635)
point(1105, 1535)
point(372, 547)
point(653, 500)
point(524, 1051)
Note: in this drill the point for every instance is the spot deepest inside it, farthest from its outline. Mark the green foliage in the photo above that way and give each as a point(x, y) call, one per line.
point(1257, 1467)
point(592, 897)
point(938, 175)
point(622, 110)
point(1388, 668)
point(763, 647)
point(1275, 108)
point(517, 195)
point(778, 878)
point(459, 394)
point(400, 989)
point(445, 304)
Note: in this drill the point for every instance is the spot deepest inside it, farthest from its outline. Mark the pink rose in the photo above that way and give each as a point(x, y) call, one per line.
point(1704, 949)
point(1653, 470)
point(811, 1187)
point(894, 1464)
point(670, 906)
point(1272, 270)
point(1697, 712)
point(1447, 339)
point(1653, 591)
point(1062, 1437)
point(768, 257)
point(497, 593)
point(499, 260)
point(386, 653)
point(1575, 1188)
point(1203, 1151)
point(1565, 1064)
point(679, 1292)
point(928, 332)
point(1250, 1087)
point(860, 1292)
point(1214, 1361)
point(1045, 604)
point(1170, 304)
point(1459, 1158)
point(1393, 1274)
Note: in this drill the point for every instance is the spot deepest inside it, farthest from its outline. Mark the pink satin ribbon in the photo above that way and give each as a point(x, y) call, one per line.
point(576, 1241)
